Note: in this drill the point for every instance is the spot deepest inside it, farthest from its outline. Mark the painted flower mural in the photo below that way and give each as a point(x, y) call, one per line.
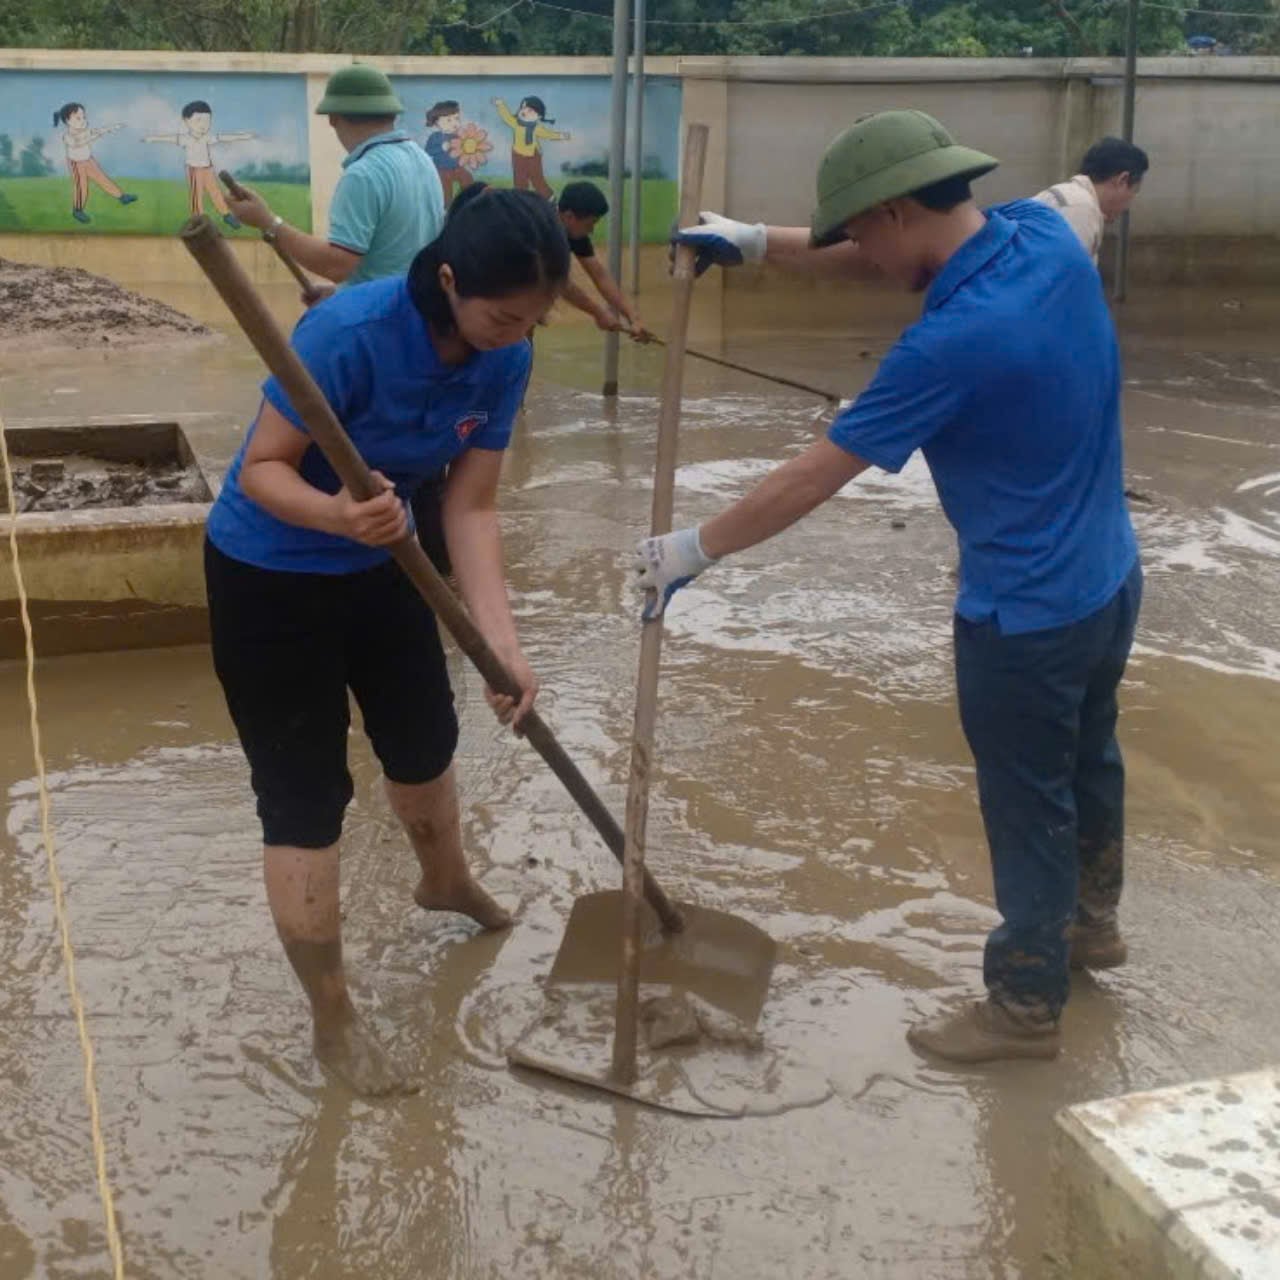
point(470, 147)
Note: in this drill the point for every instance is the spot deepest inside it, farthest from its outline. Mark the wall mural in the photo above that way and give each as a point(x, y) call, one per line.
point(138, 153)
point(541, 133)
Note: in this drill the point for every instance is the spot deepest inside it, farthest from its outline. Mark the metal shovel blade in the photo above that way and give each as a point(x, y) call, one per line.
point(718, 957)
point(718, 964)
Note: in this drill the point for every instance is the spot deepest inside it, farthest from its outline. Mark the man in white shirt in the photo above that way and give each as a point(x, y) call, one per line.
point(1110, 176)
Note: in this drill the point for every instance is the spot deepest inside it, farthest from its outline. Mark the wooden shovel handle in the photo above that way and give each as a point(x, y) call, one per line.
point(664, 478)
point(208, 247)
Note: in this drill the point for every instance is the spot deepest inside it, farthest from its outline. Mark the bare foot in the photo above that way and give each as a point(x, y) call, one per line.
point(469, 899)
point(352, 1052)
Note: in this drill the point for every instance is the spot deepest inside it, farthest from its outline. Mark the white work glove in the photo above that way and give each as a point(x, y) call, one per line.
point(665, 564)
point(722, 242)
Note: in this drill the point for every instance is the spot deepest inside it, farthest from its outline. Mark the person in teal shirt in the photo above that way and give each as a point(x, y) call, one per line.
point(388, 204)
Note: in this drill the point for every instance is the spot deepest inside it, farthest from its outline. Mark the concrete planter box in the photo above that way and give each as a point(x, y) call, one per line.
point(109, 577)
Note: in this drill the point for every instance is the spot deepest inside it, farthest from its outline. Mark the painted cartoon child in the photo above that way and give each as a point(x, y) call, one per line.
point(445, 119)
point(529, 127)
point(78, 139)
point(197, 140)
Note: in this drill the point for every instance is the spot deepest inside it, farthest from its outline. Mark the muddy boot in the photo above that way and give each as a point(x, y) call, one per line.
point(1097, 946)
point(981, 1031)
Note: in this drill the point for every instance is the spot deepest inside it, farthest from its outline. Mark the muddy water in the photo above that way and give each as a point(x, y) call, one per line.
point(811, 778)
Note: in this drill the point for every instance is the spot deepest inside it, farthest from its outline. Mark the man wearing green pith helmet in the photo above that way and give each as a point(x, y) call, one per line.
point(388, 203)
point(1010, 386)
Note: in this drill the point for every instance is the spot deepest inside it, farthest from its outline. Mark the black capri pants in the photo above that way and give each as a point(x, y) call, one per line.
point(287, 647)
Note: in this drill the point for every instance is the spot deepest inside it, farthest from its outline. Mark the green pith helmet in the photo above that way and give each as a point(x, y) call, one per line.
point(882, 157)
point(359, 90)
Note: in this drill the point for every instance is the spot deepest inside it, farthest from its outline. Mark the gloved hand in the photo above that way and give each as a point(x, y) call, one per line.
point(665, 564)
point(720, 241)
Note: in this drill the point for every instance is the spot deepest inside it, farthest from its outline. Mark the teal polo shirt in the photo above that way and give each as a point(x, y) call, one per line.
point(388, 205)
point(1010, 386)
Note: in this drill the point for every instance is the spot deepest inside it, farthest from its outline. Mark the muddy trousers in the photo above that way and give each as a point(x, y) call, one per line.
point(1039, 711)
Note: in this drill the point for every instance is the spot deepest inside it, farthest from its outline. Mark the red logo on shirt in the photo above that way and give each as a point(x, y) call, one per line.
point(466, 425)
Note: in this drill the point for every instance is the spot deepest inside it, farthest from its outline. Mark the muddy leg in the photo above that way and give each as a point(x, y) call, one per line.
point(302, 888)
point(429, 812)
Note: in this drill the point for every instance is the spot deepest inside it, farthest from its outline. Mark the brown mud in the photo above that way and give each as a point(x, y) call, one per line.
point(80, 484)
point(47, 310)
point(810, 776)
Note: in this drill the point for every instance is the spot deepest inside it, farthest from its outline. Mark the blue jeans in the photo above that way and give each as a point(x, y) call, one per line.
point(1039, 711)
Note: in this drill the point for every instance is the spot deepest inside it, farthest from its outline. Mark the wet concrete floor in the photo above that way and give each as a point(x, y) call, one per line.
point(811, 777)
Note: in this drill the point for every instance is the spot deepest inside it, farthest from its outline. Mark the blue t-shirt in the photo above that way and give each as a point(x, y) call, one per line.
point(407, 413)
point(388, 204)
point(1010, 384)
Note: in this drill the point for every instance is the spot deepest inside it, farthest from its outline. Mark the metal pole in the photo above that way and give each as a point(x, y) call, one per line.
point(1126, 129)
point(617, 163)
point(637, 148)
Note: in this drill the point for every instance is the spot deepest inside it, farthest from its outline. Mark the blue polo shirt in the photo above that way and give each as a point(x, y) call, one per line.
point(407, 413)
point(388, 204)
point(1010, 385)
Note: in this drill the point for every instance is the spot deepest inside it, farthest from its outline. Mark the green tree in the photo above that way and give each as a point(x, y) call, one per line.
point(955, 28)
point(7, 166)
point(33, 163)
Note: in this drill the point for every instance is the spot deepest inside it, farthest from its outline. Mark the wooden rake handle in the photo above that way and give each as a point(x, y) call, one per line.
point(310, 293)
point(208, 247)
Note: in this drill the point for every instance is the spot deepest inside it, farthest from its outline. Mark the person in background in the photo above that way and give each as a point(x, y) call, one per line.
point(581, 206)
point(388, 204)
point(1009, 384)
point(1110, 177)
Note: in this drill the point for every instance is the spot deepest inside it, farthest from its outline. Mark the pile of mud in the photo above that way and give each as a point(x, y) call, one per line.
point(75, 484)
point(60, 308)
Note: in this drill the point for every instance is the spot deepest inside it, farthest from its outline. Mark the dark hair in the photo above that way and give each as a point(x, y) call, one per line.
point(496, 241)
point(583, 199)
point(1113, 156)
point(446, 108)
point(942, 197)
point(467, 194)
point(538, 105)
point(63, 113)
point(196, 107)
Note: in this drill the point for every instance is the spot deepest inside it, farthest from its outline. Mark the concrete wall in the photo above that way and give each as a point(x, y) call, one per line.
point(1209, 125)
point(1211, 204)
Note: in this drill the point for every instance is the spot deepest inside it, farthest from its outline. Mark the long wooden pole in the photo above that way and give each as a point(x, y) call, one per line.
point(664, 483)
point(208, 247)
point(310, 293)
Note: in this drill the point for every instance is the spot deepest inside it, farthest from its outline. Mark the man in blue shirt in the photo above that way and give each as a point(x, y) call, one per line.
point(388, 203)
point(1010, 385)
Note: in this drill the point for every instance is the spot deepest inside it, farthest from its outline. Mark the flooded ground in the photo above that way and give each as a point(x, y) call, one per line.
point(811, 778)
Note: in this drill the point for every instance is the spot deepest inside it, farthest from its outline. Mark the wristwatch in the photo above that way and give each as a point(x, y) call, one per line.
point(269, 235)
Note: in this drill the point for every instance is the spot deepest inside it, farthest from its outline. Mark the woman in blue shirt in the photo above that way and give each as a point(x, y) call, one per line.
point(306, 603)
